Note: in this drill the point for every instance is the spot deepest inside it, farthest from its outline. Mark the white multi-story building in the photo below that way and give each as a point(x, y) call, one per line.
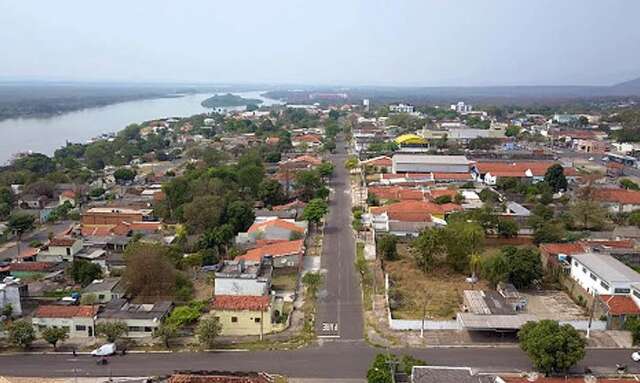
point(461, 107)
point(401, 108)
point(244, 278)
point(601, 274)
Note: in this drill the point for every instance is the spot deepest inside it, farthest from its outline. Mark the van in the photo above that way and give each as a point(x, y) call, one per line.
point(104, 350)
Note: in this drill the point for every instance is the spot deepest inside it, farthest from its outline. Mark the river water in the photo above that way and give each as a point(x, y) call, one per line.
point(45, 135)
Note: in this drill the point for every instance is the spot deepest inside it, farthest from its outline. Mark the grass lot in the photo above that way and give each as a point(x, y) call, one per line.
point(285, 279)
point(441, 289)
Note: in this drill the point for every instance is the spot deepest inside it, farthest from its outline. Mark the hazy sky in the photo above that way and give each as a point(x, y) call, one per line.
point(426, 43)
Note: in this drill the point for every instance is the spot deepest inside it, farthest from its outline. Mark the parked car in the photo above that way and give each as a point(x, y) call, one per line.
point(636, 356)
point(104, 350)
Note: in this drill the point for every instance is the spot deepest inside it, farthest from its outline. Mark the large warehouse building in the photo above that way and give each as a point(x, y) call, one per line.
point(422, 163)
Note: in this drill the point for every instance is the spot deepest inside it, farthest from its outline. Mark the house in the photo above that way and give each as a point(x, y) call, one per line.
point(618, 308)
point(401, 108)
point(601, 274)
point(115, 215)
point(273, 229)
point(422, 163)
point(241, 277)
point(11, 293)
point(67, 196)
point(443, 374)
point(60, 249)
point(78, 320)
point(105, 290)
point(299, 163)
point(408, 217)
point(243, 315)
point(555, 255)
point(381, 164)
point(618, 200)
point(283, 253)
point(310, 140)
point(396, 193)
point(490, 172)
point(141, 319)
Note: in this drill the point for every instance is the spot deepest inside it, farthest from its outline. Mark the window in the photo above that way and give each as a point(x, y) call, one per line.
point(575, 263)
point(584, 269)
point(67, 328)
point(257, 320)
point(604, 285)
point(234, 319)
point(81, 328)
point(636, 293)
point(135, 329)
point(593, 277)
point(148, 329)
point(621, 291)
point(218, 318)
point(68, 251)
point(101, 296)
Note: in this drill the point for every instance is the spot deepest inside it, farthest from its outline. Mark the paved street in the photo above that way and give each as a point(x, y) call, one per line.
point(340, 303)
point(335, 359)
point(41, 234)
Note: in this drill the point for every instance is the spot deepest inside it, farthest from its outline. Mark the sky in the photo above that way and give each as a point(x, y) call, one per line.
point(323, 42)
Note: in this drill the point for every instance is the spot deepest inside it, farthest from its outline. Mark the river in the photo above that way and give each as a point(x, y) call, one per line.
point(45, 135)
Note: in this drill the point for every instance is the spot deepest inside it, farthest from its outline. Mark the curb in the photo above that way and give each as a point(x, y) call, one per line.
point(136, 352)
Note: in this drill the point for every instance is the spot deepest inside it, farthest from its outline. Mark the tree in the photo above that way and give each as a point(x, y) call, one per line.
point(427, 247)
point(634, 218)
point(384, 365)
point(53, 335)
point(21, 334)
point(628, 184)
point(20, 223)
point(150, 273)
point(84, 272)
point(387, 246)
point(271, 192)
point(512, 131)
point(112, 330)
point(239, 215)
point(207, 331)
point(523, 266)
point(548, 233)
point(588, 214)
point(35, 162)
point(351, 163)
point(307, 182)
point(315, 210)
point(124, 174)
point(203, 212)
point(7, 310)
point(495, 269)
point(166, 332)
point(325, 169)
point(552, 348)
point(507, 228)
point(443, 199)
point(461, 240)
point(312, 282)
point(554, 176)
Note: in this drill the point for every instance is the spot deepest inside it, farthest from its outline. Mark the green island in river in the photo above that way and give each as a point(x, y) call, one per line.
point(228, 100)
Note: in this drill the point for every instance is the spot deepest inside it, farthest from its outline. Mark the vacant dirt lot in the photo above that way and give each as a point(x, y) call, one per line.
point(440, 289)
point(553, 304)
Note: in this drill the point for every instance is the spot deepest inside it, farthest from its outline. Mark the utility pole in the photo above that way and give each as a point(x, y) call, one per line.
point(593, 308)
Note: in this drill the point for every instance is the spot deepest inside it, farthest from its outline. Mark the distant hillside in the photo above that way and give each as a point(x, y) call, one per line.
point(630, 85)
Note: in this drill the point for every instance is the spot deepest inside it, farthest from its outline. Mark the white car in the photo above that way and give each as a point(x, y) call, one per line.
point(636, 356)
point(104, 350)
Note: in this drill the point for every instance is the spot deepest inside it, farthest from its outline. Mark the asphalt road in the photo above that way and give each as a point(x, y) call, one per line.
point(40, 234)
point(340, 301)
point(333, 360)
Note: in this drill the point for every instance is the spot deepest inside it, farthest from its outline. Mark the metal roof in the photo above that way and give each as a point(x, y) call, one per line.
point(607, 268)
point(480, 322)
point(430, 159)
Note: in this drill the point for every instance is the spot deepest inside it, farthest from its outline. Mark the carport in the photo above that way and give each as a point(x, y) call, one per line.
point(495, 323)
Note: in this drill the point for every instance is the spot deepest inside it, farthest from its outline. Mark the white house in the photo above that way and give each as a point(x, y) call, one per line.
point(401, 108)
point(60, 249)
point(78, 320)
point(10, 293)
point(244, 278)
point(601, 274)
point(141, 319)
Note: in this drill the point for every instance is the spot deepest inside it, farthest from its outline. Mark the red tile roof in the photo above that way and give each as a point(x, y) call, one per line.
point(281, 223)
point(620, 304)
point(622, 196)
point(518, 169)
point(59, 311)
point(307, 138)
point(397, 193)
point(616, 244)
point(97, 230)
point(69, 194)
point(30, 266)
point(435, 193)
point(382, 161)
point(296, 204)
point(241, 302)
point(452, 176)
point(415, 211)
point(563, 248)
point(62, 241)
point(278, 249)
